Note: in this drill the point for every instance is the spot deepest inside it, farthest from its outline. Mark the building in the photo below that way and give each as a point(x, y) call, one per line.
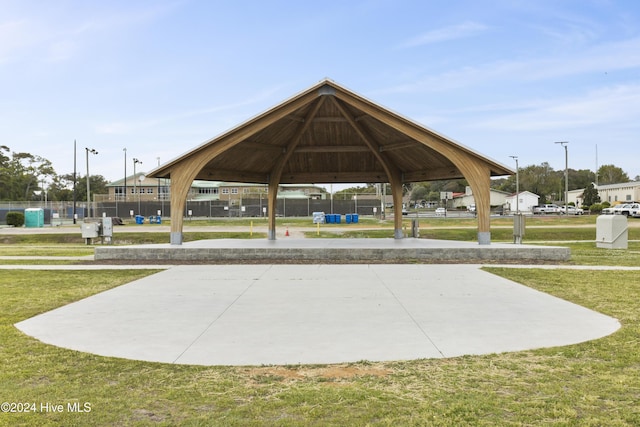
point(497, 198)
point(525, 202)
point(613, 193)
point(144, 189)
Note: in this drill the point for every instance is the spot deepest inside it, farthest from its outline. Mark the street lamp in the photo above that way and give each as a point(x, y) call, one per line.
point(135, 190)
point(87, 151)
point(566, 175)
point(517, 185)
point(125, 174)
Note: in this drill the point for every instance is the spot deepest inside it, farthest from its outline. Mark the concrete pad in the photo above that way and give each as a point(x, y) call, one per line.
point(334, 250)
point(291, 314)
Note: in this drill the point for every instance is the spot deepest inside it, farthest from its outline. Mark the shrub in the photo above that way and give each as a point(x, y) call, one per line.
point(15, 218)
point(606, 204)
point(596, 208)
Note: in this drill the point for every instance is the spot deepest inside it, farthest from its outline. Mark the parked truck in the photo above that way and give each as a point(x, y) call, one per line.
point(626, 209)
point(546, 209)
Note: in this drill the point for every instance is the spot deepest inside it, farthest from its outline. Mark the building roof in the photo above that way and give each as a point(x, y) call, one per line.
point(329, 134)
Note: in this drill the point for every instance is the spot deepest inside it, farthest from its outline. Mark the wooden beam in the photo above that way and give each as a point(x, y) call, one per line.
point(432, 174)
point(400, 145)
point(333, 149)
point(333, 177)
point(232, 175)
point(252, 145)
point(329, 120)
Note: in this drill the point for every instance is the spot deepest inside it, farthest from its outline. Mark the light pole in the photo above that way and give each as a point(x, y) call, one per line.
point(125, 174)
point(135, 189)
point(517, 185)
point(566, 175)
point(87, 151)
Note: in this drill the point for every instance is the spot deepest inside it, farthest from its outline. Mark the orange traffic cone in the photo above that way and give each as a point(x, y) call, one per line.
point(287, 232)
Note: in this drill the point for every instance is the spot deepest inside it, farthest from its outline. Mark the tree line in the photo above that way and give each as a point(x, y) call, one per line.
point(29, 177)
point(541, 179)
point(26, 177)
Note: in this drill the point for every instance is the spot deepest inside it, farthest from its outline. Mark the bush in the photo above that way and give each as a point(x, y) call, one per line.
point(606, 204)
point(596, 208)
point(15, 218)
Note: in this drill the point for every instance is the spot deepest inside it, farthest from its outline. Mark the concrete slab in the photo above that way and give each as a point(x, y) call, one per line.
point(291, 314)
point(366, 250)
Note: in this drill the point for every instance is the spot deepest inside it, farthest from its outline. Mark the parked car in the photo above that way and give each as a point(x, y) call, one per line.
point(441, 212)
point(546, 209)
point(572, 210)
point(626, 209)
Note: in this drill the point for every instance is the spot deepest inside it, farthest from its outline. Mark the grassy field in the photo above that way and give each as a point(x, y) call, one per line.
point(591, 384)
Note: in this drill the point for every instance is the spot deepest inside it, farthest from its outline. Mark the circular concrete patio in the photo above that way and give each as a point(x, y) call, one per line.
point(308, 314)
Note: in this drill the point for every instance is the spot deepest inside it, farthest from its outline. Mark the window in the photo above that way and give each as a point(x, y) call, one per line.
point(234, 191)
point(628, 197)
point(225, 191)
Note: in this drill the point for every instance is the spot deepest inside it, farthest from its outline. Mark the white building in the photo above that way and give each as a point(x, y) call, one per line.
point(498, 198)
point(523, 202)
point(612, 193)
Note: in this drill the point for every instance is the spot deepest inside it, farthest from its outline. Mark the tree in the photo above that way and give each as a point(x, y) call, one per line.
point(580, 178)
point(542, 180)
point(610, 174)
point(590, 195)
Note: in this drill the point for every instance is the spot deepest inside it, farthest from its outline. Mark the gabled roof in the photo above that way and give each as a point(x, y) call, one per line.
point(328, 134)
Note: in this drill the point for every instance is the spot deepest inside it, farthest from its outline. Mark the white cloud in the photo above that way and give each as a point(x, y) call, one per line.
point(610, 106)
point(453, 32)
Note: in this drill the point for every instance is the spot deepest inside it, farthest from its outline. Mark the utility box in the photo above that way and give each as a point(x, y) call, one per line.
point(90, 230)
point(518, 228)
point(612, 232)
point(107, 229)
point(415, 228)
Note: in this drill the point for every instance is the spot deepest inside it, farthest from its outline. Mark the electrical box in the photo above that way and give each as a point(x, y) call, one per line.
point(106, 231)
point(612, 232)
point(90, 230)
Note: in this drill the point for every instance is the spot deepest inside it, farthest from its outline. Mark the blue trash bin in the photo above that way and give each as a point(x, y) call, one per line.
point(347, 218)
point(354, 218)
point(328, 219)
point(338, 218)
point(152, 219)
point(139, 219)
point(158, 219)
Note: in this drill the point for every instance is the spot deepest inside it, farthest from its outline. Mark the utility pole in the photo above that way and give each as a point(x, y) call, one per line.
point(92, 151)
point(517, 185)
point(566, 175)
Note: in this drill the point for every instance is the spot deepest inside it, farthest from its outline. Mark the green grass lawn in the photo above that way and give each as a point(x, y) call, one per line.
point(591, 384)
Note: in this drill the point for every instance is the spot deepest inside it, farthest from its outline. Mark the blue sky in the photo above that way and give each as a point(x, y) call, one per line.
point(505, 78)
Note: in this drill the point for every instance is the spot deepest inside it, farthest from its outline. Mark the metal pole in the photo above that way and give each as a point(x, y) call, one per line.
point(74, 180)
point(135, 187)
point(92, 151)
point(566, 175)
point(517, 185)
point(125, 174)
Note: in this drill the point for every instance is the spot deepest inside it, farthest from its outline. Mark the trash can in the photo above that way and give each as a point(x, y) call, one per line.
point(328, 218)
point(152, 219)
point(337, 218)
point(139, 219)
point(347, 218)
point(158, 219)
point(354, 218)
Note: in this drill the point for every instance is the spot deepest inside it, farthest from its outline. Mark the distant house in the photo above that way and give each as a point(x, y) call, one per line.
point(523, 202)
point(498, 198)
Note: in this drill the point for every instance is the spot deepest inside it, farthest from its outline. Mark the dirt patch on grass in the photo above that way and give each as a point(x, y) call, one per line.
point(268, 374)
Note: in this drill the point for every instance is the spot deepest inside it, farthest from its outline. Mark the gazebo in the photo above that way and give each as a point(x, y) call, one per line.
point(329, 134)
